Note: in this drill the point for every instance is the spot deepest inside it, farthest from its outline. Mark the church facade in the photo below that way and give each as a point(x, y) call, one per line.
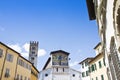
point(57, 68)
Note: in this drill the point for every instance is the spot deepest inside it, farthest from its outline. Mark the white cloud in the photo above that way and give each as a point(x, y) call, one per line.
point(24, 50)
point(25, 54)
point(16, 47)
point(74, 63)
point(41, 52)
point(26, 47)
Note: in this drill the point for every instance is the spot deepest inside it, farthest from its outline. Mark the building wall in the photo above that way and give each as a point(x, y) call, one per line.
point(85, 75)
point(46, 74)
point(34, 73)
point(10, 66)
point(96, 70)
point(110, 33)
point(23, 69)
point(75, 75)
point(13, 65)
point(49, 74)
point(2, 58)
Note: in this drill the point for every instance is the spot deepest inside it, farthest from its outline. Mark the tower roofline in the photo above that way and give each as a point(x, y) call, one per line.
point(34, 42)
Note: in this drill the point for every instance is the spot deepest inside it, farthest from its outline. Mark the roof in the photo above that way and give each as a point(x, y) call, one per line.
point(9, 48)
point(59, 51)
point(91, 9)
point(95, 57)
point(97, 45)
point(19, 55)
point(86, 59)
point(47, 63)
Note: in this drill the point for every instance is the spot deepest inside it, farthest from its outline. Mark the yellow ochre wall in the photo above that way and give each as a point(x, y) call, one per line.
point(34, 74)
point(2, 58)
point(15, 69)
point(23, 71)
point(10, 65)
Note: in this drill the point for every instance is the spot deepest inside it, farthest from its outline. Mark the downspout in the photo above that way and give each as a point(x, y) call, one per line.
point(16, 68)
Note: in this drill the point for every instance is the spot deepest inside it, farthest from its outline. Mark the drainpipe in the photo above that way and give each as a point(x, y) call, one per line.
point(16, 67)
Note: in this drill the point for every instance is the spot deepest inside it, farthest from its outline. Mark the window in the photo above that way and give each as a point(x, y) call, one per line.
point(73, 75)
point(1, 52)
point(33, 48)
point(92, 67)
point(7, 72)
point(104, 61)
point(21, 77)
point(100, 65)
point(83, 74)
point(57, 69)
point(32, 58)
point(86, 63)
point(102, 77)
point(9, 57)
point(25, 78)
point(46, 75)
point(86, 73)
point(17, 77)
point(63, 70)
point(95, 66)
point(33, 52)
point(96, 78)
point(89, 69)
point(82, 65)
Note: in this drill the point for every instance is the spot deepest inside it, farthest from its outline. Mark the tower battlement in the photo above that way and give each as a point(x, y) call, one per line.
point(34, 42)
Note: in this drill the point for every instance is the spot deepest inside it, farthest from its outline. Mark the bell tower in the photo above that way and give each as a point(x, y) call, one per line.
point(33, 52)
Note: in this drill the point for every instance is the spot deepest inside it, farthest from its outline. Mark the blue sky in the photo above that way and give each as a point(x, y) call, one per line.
point(56, 24)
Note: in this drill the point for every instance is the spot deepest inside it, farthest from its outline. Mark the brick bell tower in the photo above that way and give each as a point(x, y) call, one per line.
point(33, 52)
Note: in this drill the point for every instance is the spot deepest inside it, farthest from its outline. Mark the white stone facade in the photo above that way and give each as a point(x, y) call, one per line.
point(57, 68)
point(85, 75)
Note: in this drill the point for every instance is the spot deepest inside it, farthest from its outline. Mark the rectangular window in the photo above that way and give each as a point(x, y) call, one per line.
point(1, 53)
point(104, 61)
point(7, 72)
point(102, 77)
point(17, 76)
point(83, 74)
point(9, 57)
point(89, 69)
point(57, 69)
point(33, 48)
point(92, 67)
point(63, 70)
point(95, 66)
point(21, 77)
point(100, 65)
point(86, 63)
point(25, 78)
point(86, 73)
point(96, 78)
point(82, 65)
